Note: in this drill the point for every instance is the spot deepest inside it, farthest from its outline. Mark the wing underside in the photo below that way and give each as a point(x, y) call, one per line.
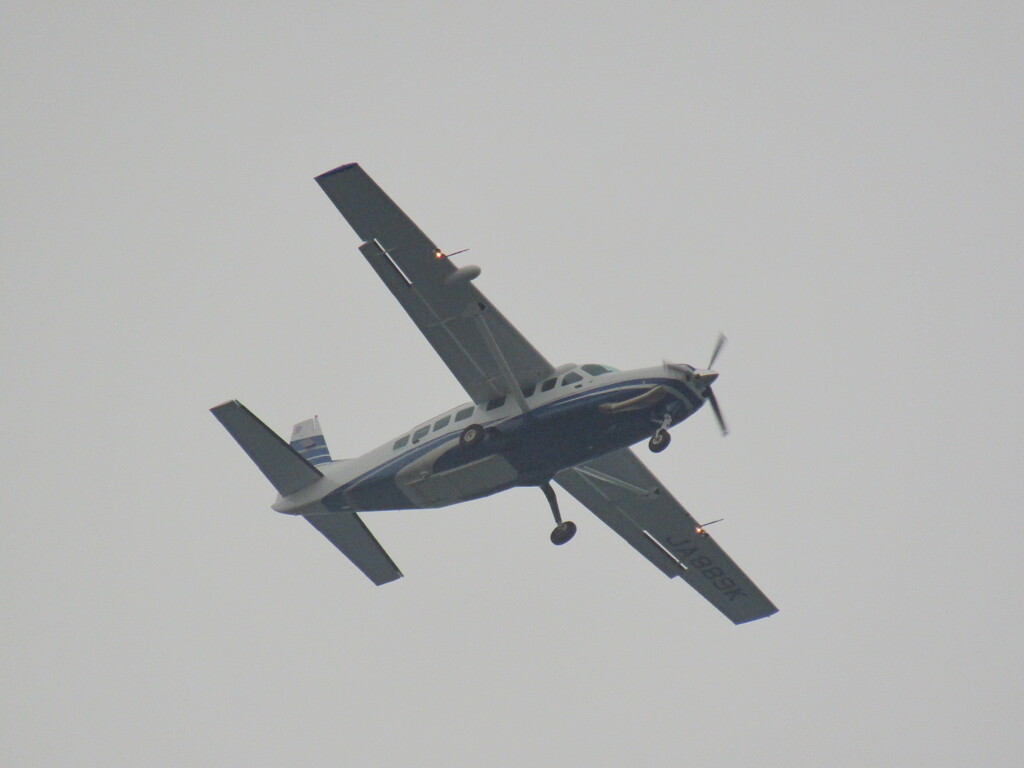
point(480, 347)
point(626, 496)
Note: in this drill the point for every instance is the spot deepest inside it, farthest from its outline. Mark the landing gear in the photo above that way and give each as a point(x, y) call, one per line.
point(661, 438)
point(659, 442)
point(474, 434)
point(563, 531)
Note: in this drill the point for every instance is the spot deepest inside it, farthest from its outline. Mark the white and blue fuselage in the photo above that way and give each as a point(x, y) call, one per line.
point(579, 413)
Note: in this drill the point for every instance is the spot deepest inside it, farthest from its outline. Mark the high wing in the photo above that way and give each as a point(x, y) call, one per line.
point(623, 493)
point(484, 351)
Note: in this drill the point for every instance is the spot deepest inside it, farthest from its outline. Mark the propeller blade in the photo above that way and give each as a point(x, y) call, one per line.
point(718, 348)
point(718, 411)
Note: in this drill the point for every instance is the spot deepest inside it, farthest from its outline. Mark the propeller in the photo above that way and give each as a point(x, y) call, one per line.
point(707, 376)
point(718, 348)
point(709, 393)
point(718, 411)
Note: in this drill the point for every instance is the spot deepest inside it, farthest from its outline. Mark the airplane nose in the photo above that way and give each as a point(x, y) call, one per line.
point(705, 379)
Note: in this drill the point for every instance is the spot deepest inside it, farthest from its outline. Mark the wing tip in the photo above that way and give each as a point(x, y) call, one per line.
point(761, 615)
point(380, 581)
point(339, 169)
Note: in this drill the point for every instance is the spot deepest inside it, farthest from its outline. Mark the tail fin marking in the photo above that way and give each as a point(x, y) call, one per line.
point(308, 439)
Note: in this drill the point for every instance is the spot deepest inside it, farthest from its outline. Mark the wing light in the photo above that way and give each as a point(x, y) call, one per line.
point(700, 528)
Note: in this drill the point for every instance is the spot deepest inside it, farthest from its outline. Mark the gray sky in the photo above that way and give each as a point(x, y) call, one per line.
point(838, 188)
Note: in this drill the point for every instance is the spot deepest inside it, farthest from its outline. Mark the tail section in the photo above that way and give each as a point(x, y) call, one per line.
point(350, 535)
point(308, 440)
point(290, 469)
point(286, 470)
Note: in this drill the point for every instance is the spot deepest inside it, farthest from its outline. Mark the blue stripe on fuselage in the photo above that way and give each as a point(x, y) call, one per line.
point(558, 434)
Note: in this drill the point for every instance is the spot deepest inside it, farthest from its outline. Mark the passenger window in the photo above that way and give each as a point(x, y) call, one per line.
point(496, 403)
point(549, 384)
point(400, 442)
point(419, 433)
point(442, 423)
point(571, 378)
point(528, 392)
point(465, 413)
point(595, 370)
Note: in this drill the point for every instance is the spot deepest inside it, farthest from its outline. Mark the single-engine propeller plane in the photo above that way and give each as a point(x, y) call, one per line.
point(529, 423)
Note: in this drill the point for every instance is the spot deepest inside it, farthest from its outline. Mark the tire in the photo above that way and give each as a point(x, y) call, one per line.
point(563, 533)
point(472, 435)
point(659, 442)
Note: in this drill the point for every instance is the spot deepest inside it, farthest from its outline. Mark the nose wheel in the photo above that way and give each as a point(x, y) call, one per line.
point(661, 438)
point(659, 442)
point(563, 531)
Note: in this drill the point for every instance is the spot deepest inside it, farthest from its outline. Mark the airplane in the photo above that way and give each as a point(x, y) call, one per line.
point(529, 423)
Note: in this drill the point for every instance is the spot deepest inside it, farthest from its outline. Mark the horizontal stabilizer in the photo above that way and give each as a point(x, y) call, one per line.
point(286, 470)
point(349, 534)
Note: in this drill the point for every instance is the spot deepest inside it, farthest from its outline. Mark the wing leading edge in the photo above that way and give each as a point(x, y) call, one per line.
point(623, 493)
point(471, 336)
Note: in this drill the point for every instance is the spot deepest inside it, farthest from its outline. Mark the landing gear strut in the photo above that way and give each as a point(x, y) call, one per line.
point(563, 531)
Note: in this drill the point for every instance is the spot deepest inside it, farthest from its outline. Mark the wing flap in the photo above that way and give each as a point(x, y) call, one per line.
point(590, 495)
point(623, 493)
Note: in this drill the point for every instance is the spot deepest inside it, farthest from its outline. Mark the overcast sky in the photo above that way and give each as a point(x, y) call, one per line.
point(836, 187)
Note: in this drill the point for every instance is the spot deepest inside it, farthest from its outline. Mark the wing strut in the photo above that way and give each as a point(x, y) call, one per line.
point(583, 469)
point(503, 367)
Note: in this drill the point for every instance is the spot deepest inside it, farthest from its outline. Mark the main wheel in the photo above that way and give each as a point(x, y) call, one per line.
point(474, 434)
point(563, 532)
point(659, 442)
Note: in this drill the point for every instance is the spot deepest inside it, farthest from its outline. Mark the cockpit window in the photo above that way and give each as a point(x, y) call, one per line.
point(442, 423)
point(571, 378)
point(496, 403)
point(596, 370)
point(465, 413)
point(528, 391)
point(400, 442)
point(419, 433)
point(549, 384)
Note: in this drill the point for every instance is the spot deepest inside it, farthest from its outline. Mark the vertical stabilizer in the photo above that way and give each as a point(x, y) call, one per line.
point(308, 440)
